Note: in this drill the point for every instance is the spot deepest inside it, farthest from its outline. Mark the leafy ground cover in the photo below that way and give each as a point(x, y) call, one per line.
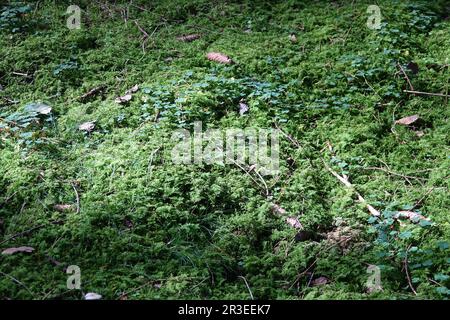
point(107, 198)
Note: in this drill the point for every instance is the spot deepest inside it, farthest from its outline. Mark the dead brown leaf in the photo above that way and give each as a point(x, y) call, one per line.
point(18, 249)
point(243, 108)
point(189, 37)
point(320, 281)
point(128, 95)
point(87, 126)
point(219, 57)
point(406, 121)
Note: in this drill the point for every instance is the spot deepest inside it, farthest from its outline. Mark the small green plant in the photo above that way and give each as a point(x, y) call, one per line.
point(28, 126)
point(398, 245)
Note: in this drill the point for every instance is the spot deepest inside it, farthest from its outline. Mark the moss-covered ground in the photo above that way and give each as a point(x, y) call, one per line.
point(141, 227)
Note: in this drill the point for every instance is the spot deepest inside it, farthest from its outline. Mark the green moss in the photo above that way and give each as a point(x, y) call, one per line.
point(193, 231)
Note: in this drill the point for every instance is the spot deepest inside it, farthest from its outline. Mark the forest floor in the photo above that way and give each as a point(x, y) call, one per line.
point(86, 123)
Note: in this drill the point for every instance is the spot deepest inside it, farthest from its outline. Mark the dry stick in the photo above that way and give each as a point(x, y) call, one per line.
point(394, 173)
point(29, 230)
point(405, 262)
point(427, 93)
point(78, 197)
point(292, 140)
point(345, 181)
point(23, 233)
point(25, 75)
point(248, 173)
point(18, 282)
point(146, 35)
point(92, 92)
point(406, 76)
point(419, 202)
point(248, 287)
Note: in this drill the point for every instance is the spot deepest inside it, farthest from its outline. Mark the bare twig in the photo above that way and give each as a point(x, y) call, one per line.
point(248, 173)
point(289, 137)
point(92, 92)
point(427, 93)
point(77, 196)
point(22, 233)
point(145, 35)
point(419, 202)
point(18, 282)
point(406, 77)
point(394, 173)
point(405, 262)
point(25, 75)
point(248, 287)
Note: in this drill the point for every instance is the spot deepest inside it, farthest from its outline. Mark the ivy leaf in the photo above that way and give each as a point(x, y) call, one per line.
point(425, 223)
point(443, 245)
point(441, 277)
point(405, 235)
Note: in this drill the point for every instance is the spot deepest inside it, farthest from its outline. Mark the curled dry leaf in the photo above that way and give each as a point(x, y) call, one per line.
point(219, 57)
point(406, 121)
point(18, 249)
point(320, 281)
point(411, 215)
point(92, 296)
point(133, 89)
point(243, 108)
point(189, 37)
point(87, 126)
point(124, 98)
point(128, 95)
